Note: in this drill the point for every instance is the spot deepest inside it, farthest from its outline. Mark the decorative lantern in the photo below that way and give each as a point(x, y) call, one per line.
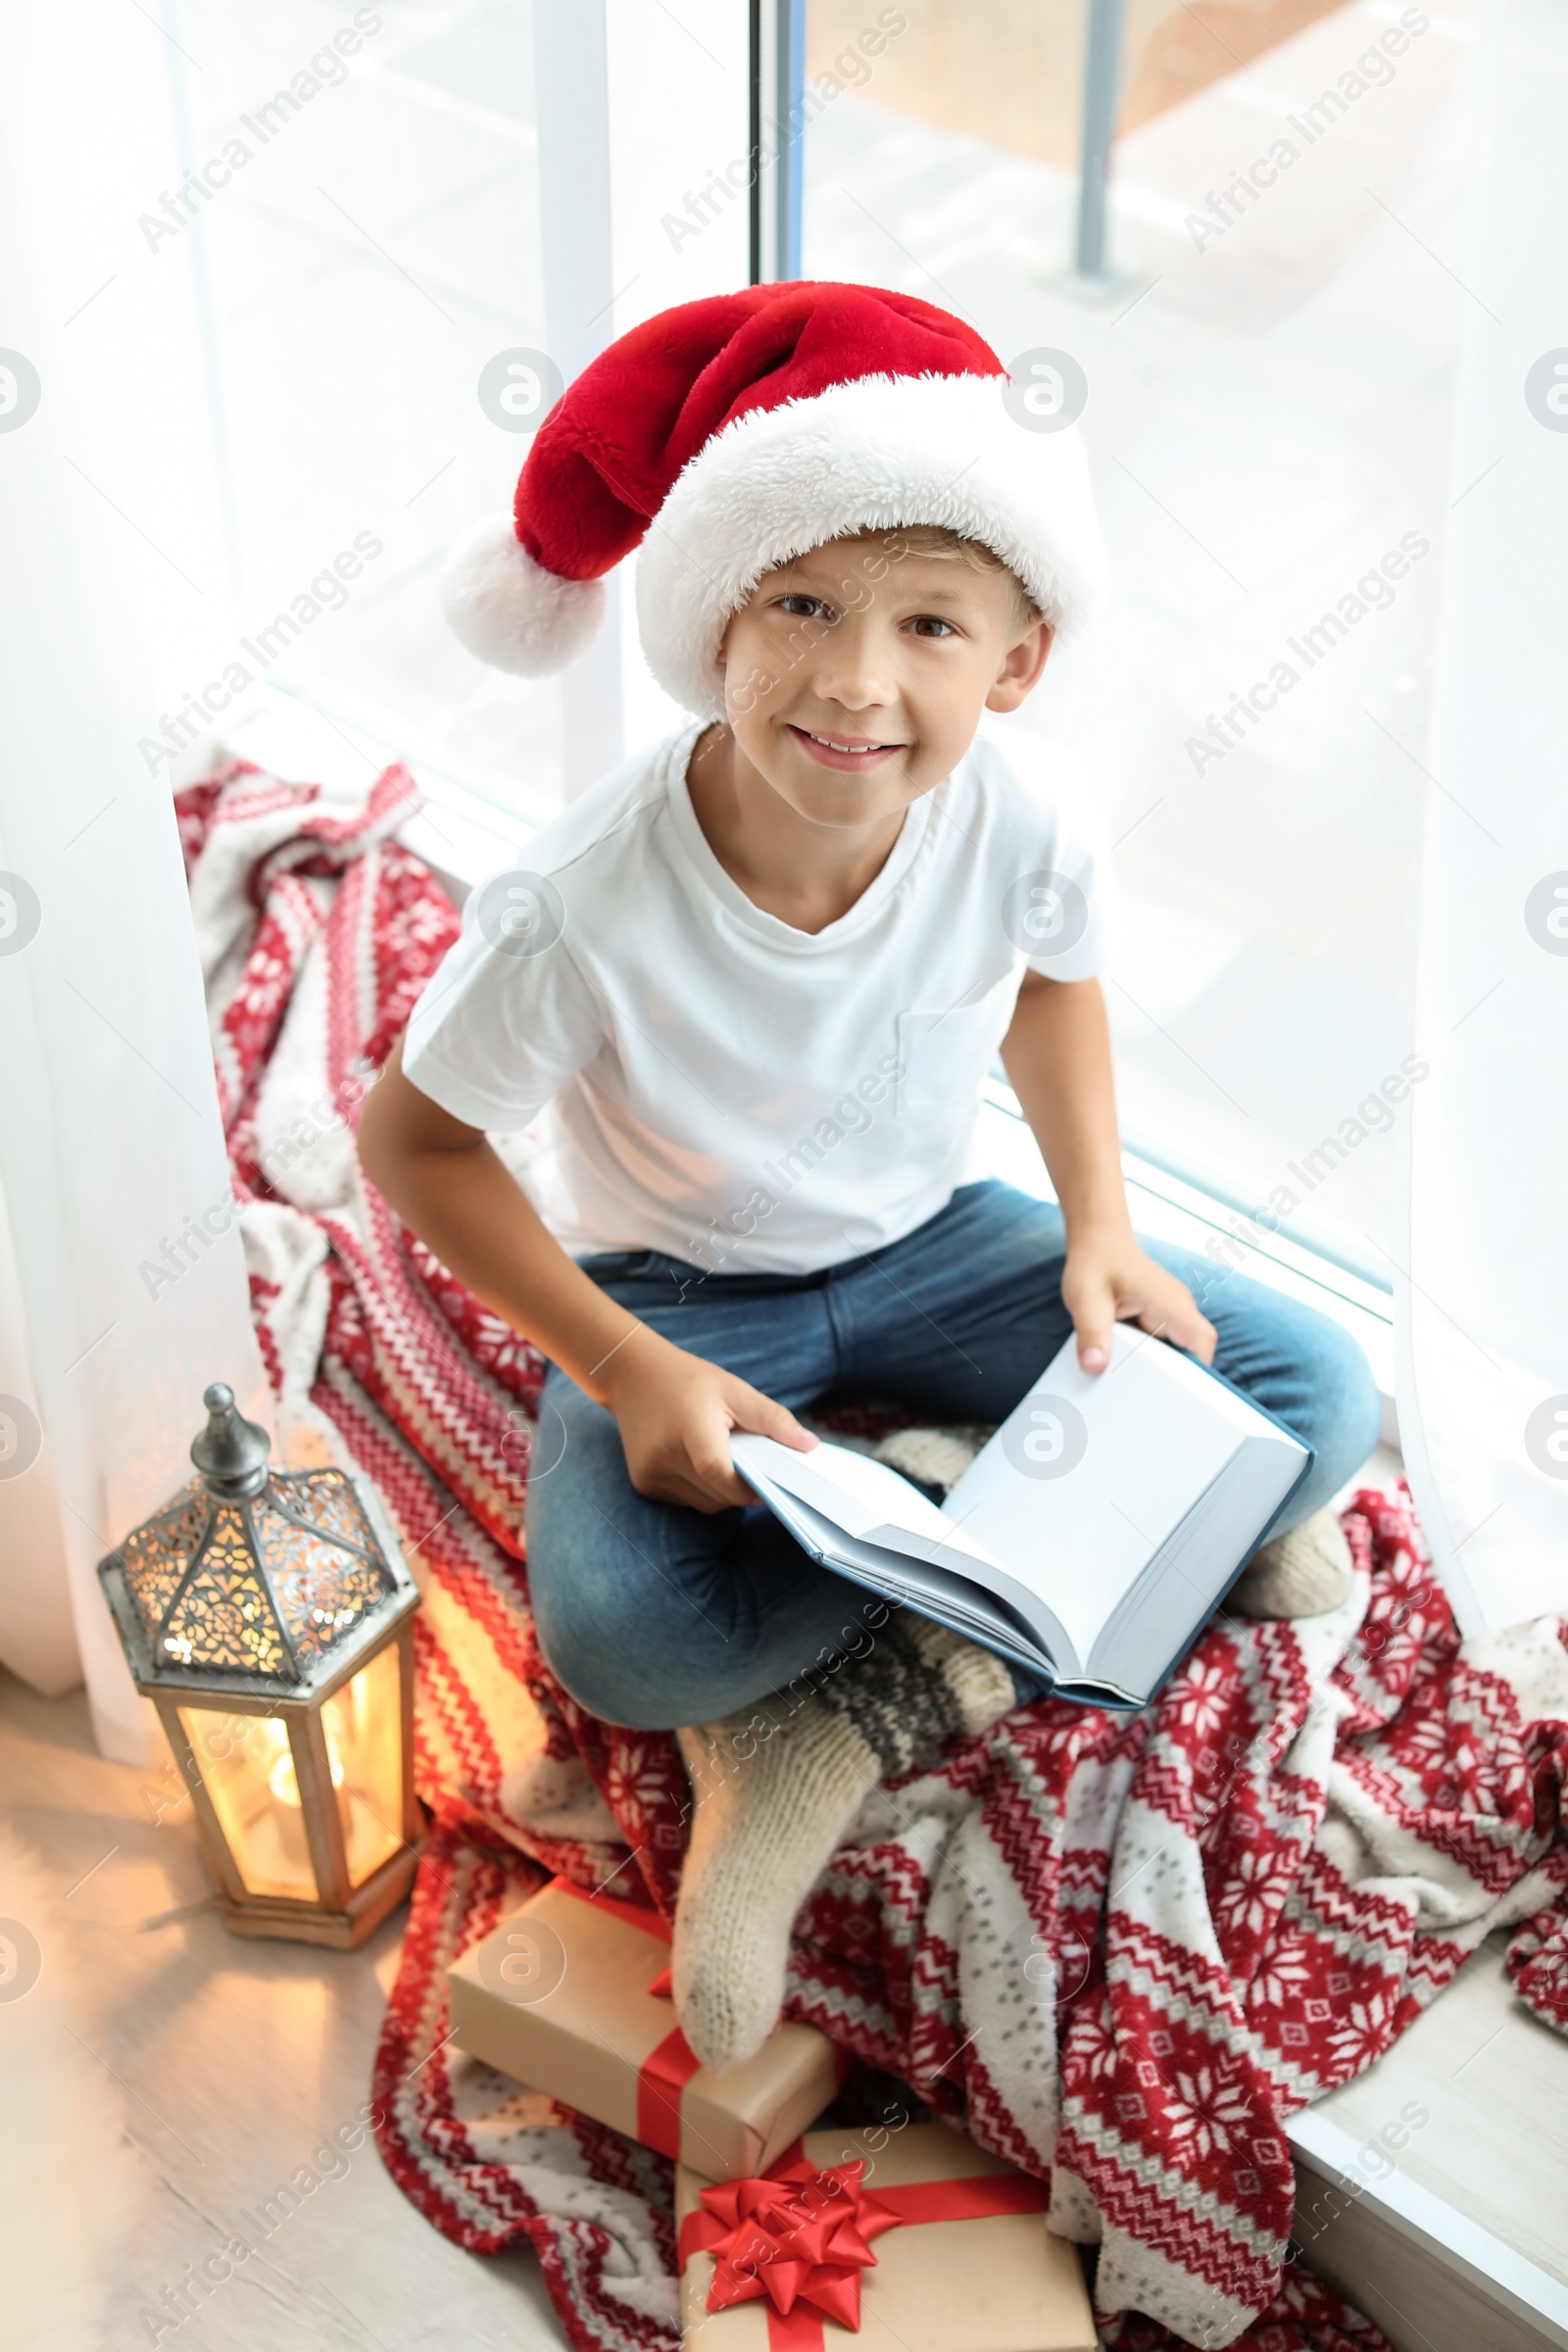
point(266, 1614)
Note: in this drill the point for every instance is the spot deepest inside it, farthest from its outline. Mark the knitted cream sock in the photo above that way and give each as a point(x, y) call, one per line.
point(1298, 1574)
point(933, 1458)
point(769, 1811)
point(776, 1785)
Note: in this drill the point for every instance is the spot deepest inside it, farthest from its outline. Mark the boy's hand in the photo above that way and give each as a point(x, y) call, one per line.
point(675, 1412)
point(1107, 1279)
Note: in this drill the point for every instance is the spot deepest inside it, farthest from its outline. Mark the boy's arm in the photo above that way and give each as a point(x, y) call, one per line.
point(1058, 1054)
point(675, 1410)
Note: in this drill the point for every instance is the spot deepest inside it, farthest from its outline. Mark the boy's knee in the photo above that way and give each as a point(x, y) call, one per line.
point(594, 1642)
point(1345, 1405)
point(612, 1689)
point(1367, 1404)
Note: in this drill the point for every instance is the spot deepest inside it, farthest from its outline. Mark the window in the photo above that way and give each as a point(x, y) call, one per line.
point(1266, 375)
point(367, 241)
point(1268, 382)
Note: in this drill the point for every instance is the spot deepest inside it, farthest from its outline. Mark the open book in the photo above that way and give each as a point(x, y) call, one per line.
point(1088, 1541)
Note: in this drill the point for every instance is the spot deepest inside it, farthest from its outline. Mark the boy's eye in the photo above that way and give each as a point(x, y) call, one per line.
point(931, 624)
point(800, 607)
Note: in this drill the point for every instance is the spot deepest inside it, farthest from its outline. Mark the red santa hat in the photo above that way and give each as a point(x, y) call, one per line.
point(726, 435)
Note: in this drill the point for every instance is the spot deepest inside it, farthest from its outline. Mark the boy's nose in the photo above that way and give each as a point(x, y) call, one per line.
point(852, 701)
point(854, 679)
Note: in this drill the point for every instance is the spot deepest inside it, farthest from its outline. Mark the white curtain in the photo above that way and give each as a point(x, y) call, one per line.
point(112, 1161)
point(1484, 1288)
point(118, 593)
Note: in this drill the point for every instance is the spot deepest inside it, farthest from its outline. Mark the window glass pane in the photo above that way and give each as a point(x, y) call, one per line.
point(364, 221)
point(1269, 383)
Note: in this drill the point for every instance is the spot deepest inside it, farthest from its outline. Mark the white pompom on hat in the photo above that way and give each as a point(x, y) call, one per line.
point(511, 612)
point(727, 435)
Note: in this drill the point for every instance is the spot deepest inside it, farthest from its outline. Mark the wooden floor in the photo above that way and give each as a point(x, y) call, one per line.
point(235, 2061)
point(1010, 71)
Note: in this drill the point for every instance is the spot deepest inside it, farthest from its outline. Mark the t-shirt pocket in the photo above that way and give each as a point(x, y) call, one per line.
point(945, 1055)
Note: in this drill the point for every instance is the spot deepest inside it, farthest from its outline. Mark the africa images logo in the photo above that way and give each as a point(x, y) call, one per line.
point(1044, 913)
point(520, 913)
point(1046, 1438)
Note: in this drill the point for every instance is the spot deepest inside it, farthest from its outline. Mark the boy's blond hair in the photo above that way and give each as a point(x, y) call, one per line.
point(934, 539)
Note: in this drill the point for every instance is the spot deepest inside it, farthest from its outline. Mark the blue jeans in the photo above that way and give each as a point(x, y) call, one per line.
point(655, 1615)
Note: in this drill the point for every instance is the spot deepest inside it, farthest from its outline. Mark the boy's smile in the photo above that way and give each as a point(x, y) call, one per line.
point(849, 754)
point(855, 677)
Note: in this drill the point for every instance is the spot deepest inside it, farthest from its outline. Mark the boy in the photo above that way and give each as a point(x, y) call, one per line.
point(759, 974)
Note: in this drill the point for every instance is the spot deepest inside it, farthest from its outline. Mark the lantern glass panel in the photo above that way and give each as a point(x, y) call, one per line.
point(248, 1768)
point(364, 1727)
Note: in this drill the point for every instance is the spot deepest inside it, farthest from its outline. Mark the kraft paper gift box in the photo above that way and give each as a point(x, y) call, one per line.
point(562, 1996)
point(916, 2240)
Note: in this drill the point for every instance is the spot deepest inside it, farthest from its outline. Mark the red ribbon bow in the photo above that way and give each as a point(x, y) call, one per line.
point(800, 2235)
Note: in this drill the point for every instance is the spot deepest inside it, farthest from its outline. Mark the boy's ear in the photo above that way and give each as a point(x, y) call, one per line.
point(1021, 667)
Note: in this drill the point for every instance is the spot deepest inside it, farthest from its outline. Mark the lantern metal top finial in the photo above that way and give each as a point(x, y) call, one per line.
point(255, 1579)
point(232, 1453)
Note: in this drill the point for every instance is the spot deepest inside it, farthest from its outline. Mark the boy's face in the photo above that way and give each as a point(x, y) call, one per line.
point(856, 675)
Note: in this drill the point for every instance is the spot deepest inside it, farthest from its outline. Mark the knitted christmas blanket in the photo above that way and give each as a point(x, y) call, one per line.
point(1121, 1949)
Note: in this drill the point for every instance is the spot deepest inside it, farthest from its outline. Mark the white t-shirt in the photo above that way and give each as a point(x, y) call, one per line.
point(720, 1085)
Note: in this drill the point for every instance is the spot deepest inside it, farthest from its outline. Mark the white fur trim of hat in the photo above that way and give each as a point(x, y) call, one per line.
point(871, 455)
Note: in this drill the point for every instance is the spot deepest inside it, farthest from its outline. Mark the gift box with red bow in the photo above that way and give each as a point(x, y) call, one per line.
point(914, 2239)
point(571, 1995)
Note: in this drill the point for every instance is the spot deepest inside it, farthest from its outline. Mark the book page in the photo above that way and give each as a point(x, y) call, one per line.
point(1091, 1474)
point(960, 1601)
point(866, 1498)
